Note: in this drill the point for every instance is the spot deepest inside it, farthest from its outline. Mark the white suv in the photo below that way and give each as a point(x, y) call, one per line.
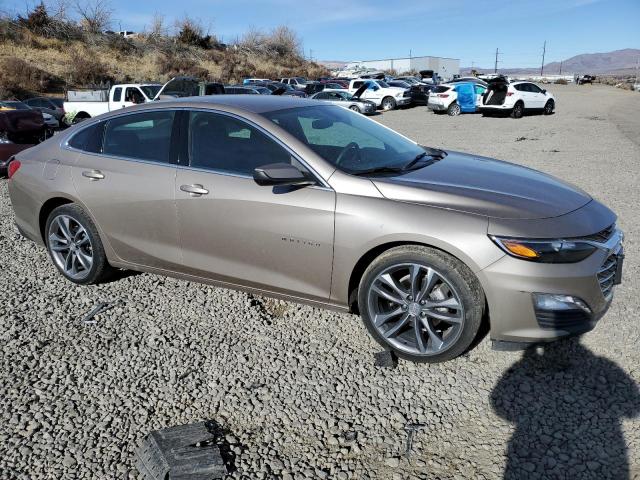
point(516, 98)
point(389, 98)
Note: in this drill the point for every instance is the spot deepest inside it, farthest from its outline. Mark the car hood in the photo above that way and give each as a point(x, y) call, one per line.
point(484, 186)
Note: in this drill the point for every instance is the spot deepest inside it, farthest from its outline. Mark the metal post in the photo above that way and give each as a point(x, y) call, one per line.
point(495, 68)
point(544, 50)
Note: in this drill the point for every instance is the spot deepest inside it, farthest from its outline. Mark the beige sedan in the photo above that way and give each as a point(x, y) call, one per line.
point(314, 203)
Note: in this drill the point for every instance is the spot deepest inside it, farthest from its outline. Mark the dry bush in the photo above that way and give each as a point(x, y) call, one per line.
point(191, 32)
point(86, 69)
point(40, 23)
point(95, 15)
point(20, 78)
point(561, 81)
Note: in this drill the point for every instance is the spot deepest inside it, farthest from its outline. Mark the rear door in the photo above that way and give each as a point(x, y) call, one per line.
point(233, 230)
point(125, 175)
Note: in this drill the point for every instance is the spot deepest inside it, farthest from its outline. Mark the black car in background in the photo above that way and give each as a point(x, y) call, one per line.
point(246, 90)
point(419, 96)
point(283, 89)
point(52, 106)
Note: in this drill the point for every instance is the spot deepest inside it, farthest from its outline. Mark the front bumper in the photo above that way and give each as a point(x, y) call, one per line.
point(510, 284)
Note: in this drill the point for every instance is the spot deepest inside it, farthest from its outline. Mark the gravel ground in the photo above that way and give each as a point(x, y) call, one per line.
point(295, 388)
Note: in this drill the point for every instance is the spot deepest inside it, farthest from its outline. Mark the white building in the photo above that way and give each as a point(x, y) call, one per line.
point(446, 68)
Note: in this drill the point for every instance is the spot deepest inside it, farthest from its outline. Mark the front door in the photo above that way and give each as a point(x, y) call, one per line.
point(127, 181)
point(233, 230)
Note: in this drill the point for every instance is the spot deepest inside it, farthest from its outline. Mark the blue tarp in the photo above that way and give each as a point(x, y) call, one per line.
point(466, 96)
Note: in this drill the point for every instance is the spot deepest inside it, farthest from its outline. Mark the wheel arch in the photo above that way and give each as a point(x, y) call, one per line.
point(365, 260)
point(45, 210)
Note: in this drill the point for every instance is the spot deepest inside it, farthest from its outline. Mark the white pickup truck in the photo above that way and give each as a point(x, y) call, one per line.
point(384, 96)
point(83, 104)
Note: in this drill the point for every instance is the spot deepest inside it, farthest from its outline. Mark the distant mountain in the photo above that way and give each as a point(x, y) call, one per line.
point(616, 62)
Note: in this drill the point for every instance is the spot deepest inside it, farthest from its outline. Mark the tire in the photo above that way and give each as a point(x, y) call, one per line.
point(453, 282)
point(549, 107)
point(453, 110)
point(518, 110)
point(90, 263)
point(79, 118)
point(355, 108)
point(388, 103)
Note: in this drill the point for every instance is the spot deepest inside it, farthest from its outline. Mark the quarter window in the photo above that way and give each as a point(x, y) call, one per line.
point(88, 139)
point(143, 136)
point(223, 143)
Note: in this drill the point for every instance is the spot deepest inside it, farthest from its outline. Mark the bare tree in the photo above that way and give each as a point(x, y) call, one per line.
point(95, 15)
point(59, 9)
point(157, 28)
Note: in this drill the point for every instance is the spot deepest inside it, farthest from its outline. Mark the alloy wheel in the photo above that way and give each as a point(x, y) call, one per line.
point(70, 247)
point(416, 309)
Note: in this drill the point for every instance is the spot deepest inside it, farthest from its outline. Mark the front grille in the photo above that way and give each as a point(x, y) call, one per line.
point(602, 236)
point(606, 275)
point(562, 319)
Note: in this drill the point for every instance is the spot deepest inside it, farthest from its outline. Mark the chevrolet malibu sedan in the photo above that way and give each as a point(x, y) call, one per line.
point(315, 203)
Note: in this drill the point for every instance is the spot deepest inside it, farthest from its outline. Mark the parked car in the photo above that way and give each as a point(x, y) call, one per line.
point(417, 94)
point(299, 83)
point(322, 205)
point(246, 90)
point(516, 98)
point(477, 80)
point(33, 120)
point(49, 120)
point(384, 96)
point(445, 98)
point(584, 79)
point(342, 98)
point(50, 105)
point(278, 88)
point(19, 130)
point(335, 83)
point(249, 81)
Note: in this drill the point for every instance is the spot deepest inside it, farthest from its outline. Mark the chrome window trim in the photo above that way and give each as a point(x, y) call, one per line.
point(64, 144)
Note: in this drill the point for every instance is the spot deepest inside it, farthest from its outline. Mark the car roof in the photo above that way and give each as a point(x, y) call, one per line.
point(250, 103)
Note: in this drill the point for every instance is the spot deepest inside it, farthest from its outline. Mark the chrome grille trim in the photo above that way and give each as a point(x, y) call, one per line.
point(606, 273)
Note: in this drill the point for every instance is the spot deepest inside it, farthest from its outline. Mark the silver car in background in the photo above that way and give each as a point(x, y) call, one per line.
point(315, 203)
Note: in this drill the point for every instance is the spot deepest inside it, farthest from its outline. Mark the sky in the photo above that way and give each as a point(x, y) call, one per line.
point(350, 30)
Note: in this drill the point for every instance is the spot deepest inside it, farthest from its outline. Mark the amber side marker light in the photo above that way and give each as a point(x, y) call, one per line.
point(519, 249)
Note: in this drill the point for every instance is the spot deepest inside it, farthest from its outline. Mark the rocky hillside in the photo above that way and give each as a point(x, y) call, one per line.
point(42, 53)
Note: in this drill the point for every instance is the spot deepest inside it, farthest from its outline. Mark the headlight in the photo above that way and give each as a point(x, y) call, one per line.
point(545, 251)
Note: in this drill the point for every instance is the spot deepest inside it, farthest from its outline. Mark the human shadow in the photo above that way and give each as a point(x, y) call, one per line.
point(567, 405)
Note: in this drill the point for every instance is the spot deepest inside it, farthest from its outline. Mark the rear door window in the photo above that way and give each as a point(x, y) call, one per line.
point(117, 94)
point(141, 136)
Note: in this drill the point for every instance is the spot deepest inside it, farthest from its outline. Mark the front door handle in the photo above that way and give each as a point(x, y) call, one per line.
point(93, 175)
point(195, 190)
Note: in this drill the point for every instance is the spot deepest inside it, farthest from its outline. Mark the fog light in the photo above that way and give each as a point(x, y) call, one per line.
point(555, 302)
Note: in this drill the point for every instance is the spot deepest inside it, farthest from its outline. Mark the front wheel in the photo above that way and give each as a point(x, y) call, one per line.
point(548, 108)
point(355, 108)
point(75, 246)
point(422, 303)
point(388, 103)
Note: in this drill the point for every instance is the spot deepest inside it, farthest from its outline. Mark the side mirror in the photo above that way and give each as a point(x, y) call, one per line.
point(544, 91)
point(280, 174)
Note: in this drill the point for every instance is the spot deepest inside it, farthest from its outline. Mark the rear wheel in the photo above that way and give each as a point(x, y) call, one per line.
point(422, 303)
point(80, 117)
point(518, 110)
point(388, 103)
point(75, 246)
point(548, 108)
point(453, 110)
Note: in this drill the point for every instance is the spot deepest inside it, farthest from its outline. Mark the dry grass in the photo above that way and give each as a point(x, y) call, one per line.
point(97, 58)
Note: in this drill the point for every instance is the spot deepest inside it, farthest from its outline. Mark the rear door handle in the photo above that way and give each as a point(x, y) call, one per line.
point(194, 190)
point(93, 175)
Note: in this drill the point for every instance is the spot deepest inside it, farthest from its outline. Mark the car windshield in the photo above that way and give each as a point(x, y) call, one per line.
point(382, 84)
point(346, 139)
point(150, 90)
point(58, 102)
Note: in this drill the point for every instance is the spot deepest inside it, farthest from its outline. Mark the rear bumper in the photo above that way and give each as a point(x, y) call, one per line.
point(436, 106)
point(510, 283)
point(401, 102)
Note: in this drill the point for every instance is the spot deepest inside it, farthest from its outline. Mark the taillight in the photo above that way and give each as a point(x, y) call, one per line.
point(14, 165)
point(509, 94)
point(443, 95)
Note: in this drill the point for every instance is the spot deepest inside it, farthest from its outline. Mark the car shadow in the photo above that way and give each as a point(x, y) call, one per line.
point(567, 405)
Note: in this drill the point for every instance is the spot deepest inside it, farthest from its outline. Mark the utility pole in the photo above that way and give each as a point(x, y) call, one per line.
point(544, 50)
point(310, 55)
point(560, 68)
point(410, 52)
point(495, 68)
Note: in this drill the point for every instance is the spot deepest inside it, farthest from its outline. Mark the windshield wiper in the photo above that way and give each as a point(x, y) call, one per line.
point(433, 153)
point(379, 170)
